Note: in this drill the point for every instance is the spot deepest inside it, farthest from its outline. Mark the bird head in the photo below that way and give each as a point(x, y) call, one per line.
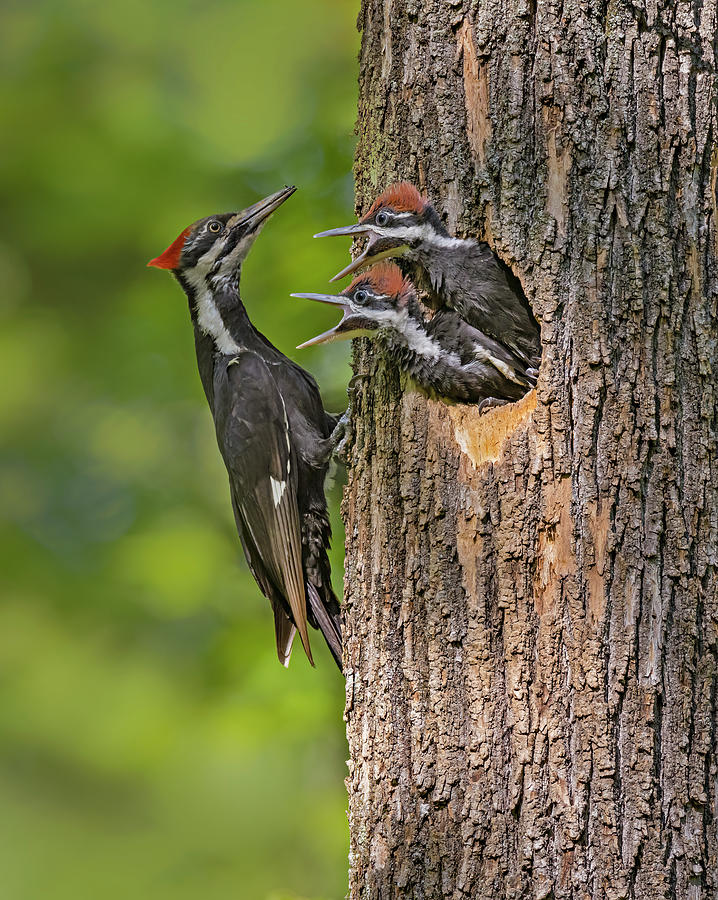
point(400, 220)
point(379, 298)
point(214, 248)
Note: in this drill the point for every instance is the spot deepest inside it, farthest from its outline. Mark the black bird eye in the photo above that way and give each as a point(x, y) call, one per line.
point(215, 227)
point(382, 218)
point(360, 296)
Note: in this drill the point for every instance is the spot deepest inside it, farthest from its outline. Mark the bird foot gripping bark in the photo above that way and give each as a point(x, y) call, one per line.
point(342, 438)
point(489, 403)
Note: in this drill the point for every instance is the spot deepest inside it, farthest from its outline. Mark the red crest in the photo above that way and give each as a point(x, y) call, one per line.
point(402, 197)
point(383, 278)
point(171, 257)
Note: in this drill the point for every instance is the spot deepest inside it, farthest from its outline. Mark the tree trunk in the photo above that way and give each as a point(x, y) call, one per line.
point(532, 601)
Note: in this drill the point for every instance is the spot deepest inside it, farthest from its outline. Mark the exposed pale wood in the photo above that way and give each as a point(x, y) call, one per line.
point(481, 437)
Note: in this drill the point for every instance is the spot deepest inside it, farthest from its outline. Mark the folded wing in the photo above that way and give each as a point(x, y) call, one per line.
point(255, 441)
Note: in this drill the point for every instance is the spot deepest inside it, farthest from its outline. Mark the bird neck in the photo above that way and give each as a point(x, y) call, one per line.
point(218, 314)
point(409, 336)
point(417, 352)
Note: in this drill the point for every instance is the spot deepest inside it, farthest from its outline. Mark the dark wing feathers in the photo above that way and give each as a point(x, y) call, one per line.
point(504, 371)
point(283, 625)
point(254, 439)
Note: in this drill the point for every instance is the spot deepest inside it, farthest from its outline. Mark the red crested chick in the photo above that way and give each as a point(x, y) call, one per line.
point(443, 353)
point(459, 274)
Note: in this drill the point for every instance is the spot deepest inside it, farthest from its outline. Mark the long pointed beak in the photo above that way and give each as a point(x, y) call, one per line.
point(258, 212)
point(361, 260)
point(348, 325)
point(332, 299)
point(368, 257)
point(345, 229)
point(323, 338)
point(356, 265)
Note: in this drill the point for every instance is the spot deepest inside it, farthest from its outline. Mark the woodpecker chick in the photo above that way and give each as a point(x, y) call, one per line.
point(273, 432)
point(462, 274)
point(448, 357)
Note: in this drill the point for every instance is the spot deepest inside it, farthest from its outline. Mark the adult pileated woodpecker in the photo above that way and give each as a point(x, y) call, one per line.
point(443, 353)
point(273, 432)
point(461, 274)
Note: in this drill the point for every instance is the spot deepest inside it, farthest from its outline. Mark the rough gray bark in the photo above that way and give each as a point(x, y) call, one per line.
point(532, 620)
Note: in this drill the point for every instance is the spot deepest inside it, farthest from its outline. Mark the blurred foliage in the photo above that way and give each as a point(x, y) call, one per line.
point(151, 746)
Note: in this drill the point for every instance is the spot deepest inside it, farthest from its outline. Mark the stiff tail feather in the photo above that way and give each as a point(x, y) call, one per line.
point(329, 621)
point(284, 631)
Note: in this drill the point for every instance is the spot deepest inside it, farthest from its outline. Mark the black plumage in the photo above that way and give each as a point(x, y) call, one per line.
point(473, 282)
point(451, 273)
point(273, 433)
point(443, 353)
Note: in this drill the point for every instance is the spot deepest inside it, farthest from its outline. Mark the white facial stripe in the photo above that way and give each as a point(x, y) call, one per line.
point(208, 316)
point(416, 338)
point(420, 234)
point(206, 261)
point(197, 275)
point(278, 489)
point(445, 242)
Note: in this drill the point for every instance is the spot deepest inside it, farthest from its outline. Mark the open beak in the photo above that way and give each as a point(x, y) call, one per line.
point(361, 261)
point(256, 214)
point(348, 325)
point(371, 254)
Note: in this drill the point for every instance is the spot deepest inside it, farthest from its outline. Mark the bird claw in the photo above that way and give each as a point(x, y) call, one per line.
point(341, 437)
point(356, 379)
point(489, 403)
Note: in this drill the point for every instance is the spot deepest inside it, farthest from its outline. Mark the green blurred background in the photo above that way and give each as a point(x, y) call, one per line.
point(151, 746)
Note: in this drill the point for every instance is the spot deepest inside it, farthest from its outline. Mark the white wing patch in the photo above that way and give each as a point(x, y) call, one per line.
point(483, 354)
point(278, 489)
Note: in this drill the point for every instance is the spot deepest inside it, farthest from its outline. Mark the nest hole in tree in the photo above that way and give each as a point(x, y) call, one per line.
point(481, 436)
